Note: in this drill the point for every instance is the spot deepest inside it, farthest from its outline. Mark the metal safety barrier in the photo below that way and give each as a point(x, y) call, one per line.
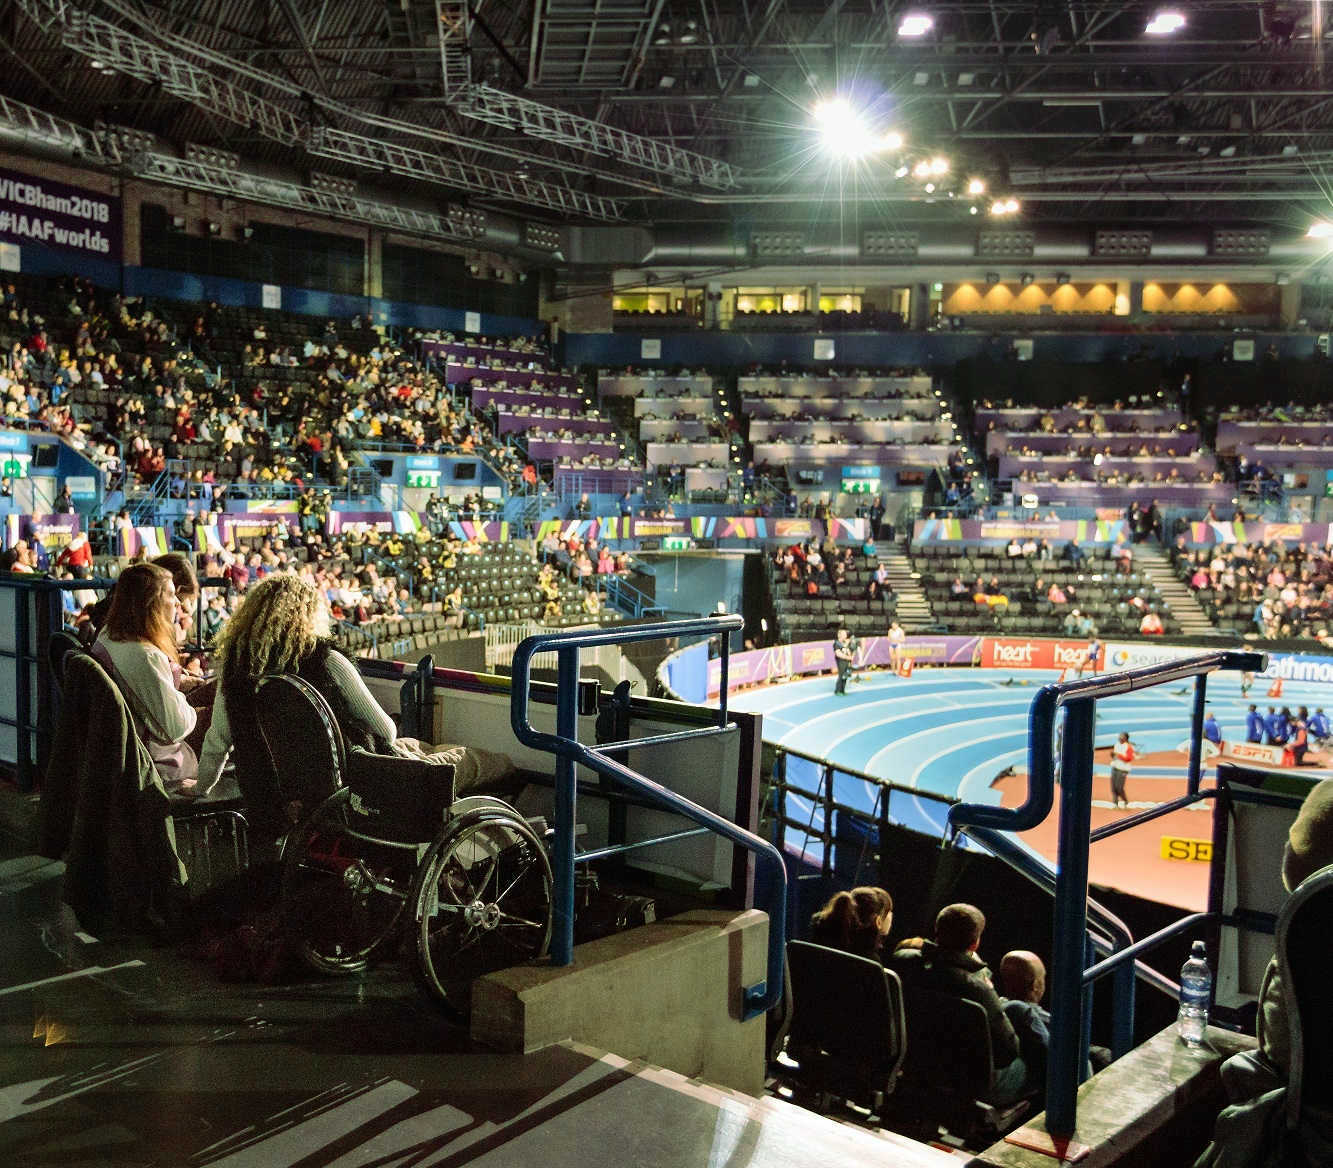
point(570, 754)
point(1074, 967)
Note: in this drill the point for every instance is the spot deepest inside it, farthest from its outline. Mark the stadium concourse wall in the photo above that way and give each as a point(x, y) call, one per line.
point(194, 288)
point(723, 530)
point(1108, 527)
point(1001, 530)
point(688, 675)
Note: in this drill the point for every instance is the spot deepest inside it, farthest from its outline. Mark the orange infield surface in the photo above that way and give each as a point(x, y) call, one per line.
point(1132, 861)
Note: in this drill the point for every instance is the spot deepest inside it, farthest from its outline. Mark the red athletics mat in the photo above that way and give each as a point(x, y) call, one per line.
point(1132, 861)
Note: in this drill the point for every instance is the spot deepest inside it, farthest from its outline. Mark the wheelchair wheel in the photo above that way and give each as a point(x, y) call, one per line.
point(482, 902)
point(343, 894)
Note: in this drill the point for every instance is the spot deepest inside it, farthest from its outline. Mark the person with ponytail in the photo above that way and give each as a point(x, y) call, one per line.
point(856, 921)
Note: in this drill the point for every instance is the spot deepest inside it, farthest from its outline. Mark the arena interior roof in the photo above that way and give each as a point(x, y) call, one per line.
point(652, 112)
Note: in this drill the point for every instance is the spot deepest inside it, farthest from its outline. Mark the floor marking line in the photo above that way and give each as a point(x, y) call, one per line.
point(89, 972)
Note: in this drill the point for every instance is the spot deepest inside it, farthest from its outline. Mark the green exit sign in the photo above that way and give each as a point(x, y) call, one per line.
point(15, 466)
point(860, 486)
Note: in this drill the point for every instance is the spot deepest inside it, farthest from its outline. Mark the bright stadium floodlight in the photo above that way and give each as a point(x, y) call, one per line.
point(847, 133)
point(915, 24)
point(976, 186)
point(1320, 229)
point(1164, 22)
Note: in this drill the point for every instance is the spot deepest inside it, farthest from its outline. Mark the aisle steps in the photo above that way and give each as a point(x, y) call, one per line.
point(1153, 562)
point(914, 611)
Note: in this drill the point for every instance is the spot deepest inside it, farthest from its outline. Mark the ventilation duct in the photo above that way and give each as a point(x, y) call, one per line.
point(1015, 243)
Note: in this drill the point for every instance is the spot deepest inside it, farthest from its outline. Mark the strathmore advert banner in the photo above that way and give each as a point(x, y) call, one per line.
point(35, 210)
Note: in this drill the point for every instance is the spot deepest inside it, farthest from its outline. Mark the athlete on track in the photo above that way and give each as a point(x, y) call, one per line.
point(1122, 758)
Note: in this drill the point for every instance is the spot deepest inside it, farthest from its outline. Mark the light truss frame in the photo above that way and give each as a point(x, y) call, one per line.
point(255, 188)
point(49, 130)
point(497, 107)
point(485, 103)
point(104, 148)
point(101, 41)
point(453, 23)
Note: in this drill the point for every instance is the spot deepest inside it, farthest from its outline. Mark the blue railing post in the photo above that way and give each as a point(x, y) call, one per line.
point(1196, 734)
point(566, 805)
point(1123, 990)
point(23, 687)
point(755, 998)
point(1067, 1054)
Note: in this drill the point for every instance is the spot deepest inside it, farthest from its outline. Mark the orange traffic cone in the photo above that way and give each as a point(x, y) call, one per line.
point(1275, 690)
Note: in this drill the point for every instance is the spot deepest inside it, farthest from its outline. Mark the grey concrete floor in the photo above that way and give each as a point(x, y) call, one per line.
point(127, 1054)
point(122, 1054)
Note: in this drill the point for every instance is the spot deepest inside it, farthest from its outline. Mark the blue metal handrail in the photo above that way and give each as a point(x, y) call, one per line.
point(570, 754)
point(1070, 957)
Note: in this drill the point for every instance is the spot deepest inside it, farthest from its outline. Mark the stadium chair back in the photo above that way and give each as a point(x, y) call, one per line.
point(949, 1042)
point(847, 1028)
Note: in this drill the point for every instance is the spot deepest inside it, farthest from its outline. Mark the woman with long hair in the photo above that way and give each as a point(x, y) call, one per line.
point(856, 921)
point(282, 627)
point(137, 645)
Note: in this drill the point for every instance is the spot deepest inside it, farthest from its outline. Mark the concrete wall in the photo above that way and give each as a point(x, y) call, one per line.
point(667, 993)
point(929, 349)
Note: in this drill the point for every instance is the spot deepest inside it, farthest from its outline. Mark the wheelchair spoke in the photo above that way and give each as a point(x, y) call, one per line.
point(480, 888)
point(511, 919)
point(523, 871)
point(344, 898)
point(483, 905)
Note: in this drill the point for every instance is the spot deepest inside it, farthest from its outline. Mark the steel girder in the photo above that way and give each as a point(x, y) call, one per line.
point(102, 41)
point(499, 108)
point(200, 176)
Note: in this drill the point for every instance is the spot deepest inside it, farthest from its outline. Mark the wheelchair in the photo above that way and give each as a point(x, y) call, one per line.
point(378, 855)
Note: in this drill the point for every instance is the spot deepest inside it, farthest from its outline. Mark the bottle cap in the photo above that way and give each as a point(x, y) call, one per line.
point(1198, 949)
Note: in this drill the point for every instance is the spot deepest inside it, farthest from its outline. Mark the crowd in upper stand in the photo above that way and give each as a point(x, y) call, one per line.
point(261, 398)
point(245, 396)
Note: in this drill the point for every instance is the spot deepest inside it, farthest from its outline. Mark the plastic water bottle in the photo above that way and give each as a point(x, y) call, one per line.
point(1196, 990)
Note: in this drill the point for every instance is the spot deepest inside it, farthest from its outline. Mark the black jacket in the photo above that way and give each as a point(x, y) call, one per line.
point(963, 975)
point(105, 811)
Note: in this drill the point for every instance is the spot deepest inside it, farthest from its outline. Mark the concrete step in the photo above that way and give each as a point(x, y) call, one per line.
point(913, 605)
point(1153, 562)
point(692, 1122)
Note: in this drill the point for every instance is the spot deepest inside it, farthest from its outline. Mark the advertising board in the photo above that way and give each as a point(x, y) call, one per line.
point(1034, 653)
point(37, 210)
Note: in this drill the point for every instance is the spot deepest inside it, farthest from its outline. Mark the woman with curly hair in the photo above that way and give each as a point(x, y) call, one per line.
point(856, 921)
point(137, 646)
point(282, 627)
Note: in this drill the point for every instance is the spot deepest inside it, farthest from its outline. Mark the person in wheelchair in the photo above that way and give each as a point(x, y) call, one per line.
point(137, 647)
point(282, 627)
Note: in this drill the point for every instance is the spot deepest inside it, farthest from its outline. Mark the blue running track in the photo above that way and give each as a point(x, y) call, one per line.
point(949, 732)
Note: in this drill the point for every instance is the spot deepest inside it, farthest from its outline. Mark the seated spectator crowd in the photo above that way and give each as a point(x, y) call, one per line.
point(1028, 587)
point(1275, 590)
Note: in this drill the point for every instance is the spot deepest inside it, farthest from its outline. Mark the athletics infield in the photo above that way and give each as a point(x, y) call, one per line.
point(951, 732)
